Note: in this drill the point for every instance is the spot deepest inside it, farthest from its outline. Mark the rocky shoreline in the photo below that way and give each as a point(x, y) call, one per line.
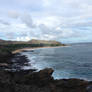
point(13, 79)
point(42, 81)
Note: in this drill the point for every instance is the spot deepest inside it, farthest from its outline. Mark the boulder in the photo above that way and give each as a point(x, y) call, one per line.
point(40, 78)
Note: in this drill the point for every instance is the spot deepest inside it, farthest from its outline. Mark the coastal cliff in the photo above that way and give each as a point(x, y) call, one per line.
point(42, 81)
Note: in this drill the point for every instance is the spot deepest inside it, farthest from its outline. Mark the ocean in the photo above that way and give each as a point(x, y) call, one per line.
point(73, 61)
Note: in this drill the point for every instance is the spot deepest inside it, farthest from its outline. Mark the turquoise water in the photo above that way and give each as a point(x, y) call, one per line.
point(68, 62)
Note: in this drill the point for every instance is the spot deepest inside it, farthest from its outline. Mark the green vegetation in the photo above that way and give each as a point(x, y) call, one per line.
point(9, 46)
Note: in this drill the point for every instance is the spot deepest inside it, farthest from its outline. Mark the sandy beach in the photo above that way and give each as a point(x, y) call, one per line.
point(33, 48)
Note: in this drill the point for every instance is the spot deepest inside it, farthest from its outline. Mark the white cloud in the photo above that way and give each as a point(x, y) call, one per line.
point(13, 14)
point(26, 18)
point(46, 19)
point(23, 38)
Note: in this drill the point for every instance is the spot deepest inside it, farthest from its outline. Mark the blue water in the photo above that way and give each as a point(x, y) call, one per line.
point(68, 62)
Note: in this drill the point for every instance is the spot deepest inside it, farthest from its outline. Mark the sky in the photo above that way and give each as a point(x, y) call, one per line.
point(66, 21)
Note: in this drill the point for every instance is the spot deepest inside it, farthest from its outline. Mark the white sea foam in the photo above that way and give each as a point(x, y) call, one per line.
point(74, 62)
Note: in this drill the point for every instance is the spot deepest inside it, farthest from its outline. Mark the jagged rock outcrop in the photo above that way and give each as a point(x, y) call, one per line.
point(42, 81)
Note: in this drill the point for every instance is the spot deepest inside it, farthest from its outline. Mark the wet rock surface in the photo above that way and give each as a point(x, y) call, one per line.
point(18, 61)
point(42, 81)
point(13, 61)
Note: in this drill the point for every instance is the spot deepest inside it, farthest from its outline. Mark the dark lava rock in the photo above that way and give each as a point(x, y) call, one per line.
point(18, 61)
point(13, 61)
point(42, 81)
point(5, 59)
point(40, 78)
point(5, 56)
point(89, 87)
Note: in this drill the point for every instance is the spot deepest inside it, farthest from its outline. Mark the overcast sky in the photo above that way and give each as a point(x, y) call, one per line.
point(61, 20)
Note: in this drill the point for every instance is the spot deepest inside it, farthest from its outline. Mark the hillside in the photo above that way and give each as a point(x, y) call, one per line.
point(9, 46)
point(44, 42)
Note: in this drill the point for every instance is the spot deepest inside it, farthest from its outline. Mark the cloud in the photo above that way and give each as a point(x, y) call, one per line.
point(23, 38)
point(4, 22)
point(46, 19)
point(13, 14)
point(26, 18)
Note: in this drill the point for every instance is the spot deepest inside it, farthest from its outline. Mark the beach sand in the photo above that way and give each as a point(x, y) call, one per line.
point(33, 48)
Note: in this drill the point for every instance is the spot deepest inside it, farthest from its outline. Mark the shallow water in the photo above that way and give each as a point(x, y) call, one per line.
point(68, 62)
